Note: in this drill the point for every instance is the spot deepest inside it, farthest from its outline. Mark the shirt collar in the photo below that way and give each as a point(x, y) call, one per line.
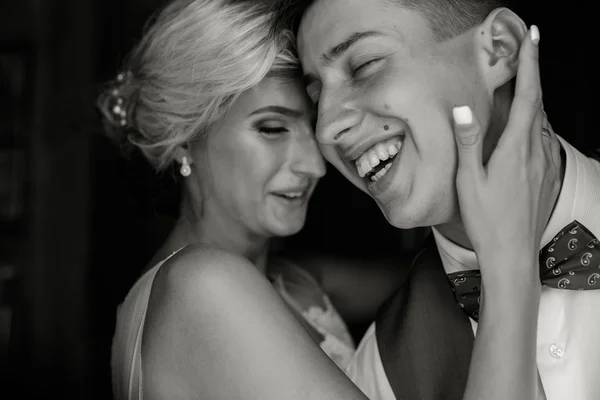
point(456, 258)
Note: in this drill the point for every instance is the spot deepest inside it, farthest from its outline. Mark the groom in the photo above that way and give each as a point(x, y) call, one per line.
point(386, 75)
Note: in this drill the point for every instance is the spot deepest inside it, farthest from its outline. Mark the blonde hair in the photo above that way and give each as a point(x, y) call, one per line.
point(195, 59)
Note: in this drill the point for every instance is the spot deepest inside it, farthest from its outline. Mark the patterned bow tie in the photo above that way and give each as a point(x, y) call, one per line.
point(570, 261)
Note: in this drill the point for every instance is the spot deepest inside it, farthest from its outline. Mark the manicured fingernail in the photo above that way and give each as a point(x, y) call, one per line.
point(535, 34)
point(462, 115)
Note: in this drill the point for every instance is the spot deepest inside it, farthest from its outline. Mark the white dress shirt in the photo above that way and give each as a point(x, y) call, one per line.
point(568, 348)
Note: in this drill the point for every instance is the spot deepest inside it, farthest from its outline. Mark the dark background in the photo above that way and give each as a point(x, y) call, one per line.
point(78, 221)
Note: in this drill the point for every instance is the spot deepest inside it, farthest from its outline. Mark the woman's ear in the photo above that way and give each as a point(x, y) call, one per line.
point(181, 152)
point(184, 158)
point(497, 42)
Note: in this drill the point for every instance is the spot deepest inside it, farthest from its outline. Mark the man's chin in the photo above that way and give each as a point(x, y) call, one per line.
point(404, 222)
point(416, 215)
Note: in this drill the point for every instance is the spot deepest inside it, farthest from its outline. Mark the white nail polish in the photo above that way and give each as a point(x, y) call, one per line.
point(535, 34)
point(462, 115)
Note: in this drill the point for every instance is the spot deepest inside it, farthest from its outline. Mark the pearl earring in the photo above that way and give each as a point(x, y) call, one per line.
point(185, 169)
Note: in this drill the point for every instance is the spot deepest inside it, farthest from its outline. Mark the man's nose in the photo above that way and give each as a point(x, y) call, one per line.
point(337, 116)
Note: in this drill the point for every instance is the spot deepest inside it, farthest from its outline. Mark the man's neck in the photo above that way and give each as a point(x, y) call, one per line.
point(455, 230)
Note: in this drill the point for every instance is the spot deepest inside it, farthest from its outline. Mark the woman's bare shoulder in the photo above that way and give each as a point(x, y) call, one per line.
point(201, 275)
point(195, 263)
point(195, 314)
point(213, 319)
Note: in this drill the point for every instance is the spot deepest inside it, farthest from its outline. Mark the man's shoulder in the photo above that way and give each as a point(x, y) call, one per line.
point(589, 151)
point(593, 153)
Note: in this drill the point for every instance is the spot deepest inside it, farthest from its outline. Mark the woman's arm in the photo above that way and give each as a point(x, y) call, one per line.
point(216, 329)
point(504, 359)
point(505, 207)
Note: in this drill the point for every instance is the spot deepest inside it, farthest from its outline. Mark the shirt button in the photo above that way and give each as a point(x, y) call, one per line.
point(556, 351)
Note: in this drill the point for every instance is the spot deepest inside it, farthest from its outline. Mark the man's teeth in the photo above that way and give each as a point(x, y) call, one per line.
point(371, 158)
point(381, 172)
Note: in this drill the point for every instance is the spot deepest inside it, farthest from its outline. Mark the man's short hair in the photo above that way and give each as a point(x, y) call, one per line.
point(448, 18)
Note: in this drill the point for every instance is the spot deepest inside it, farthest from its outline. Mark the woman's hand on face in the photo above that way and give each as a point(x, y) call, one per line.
point(505, 205)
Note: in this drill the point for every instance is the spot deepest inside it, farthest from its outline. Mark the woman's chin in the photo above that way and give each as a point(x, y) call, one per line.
point(287, 228)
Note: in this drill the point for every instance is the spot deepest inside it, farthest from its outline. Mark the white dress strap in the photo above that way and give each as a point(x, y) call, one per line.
point(126, 358)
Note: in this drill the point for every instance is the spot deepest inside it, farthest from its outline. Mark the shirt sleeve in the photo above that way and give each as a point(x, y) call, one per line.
point(366, 369)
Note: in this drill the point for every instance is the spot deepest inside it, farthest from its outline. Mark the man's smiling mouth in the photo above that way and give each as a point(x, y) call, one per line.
point(377, 160)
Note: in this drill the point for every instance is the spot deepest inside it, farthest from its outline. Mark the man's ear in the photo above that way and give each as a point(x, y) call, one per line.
point(497, 42)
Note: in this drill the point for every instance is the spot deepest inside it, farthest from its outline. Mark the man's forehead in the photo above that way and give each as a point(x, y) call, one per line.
point(327, 23)
point(313, 32)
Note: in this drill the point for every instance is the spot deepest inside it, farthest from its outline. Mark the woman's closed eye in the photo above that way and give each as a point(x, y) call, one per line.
point(272, 132)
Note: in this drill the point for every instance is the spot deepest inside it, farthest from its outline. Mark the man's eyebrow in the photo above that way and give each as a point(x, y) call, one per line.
point(336, 51)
